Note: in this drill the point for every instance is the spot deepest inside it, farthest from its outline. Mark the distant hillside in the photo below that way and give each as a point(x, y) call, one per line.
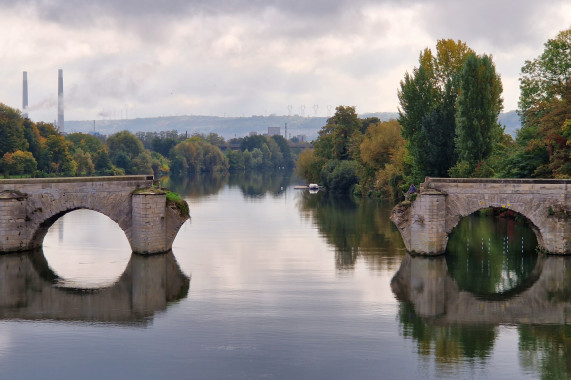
point(511, 121)
point(229, 127)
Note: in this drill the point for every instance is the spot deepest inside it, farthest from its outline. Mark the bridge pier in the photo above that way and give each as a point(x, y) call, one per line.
point(148, 231)
point(422, 223)
point(13, 220)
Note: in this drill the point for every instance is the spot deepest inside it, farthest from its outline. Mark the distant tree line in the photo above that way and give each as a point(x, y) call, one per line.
point(38, 150)
point(448, 126)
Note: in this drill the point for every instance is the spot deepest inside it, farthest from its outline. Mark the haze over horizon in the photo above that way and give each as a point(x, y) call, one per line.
point(243, 58)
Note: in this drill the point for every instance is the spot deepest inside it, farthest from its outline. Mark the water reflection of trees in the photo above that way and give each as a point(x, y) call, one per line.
point(546, 350)
point(255, 184)
point(356, 228)
point(452, 325)
point(490, 256)
point(196, 186)
point(447, 343)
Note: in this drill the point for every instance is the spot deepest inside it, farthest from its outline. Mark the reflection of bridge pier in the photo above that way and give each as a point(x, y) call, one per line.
point(29, 290)
point(426, 223)
point(427, 285)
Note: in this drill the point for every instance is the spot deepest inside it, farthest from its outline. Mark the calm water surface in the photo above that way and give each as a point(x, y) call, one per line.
point(270, 282)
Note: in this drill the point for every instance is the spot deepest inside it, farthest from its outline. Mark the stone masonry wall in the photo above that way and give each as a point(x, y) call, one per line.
point(148, 219)
point(428, 223)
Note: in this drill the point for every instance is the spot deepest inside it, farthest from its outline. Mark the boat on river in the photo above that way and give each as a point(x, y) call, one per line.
point(311, 186)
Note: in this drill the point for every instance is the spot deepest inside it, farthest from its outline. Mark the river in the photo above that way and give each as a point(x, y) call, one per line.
point(266, 281)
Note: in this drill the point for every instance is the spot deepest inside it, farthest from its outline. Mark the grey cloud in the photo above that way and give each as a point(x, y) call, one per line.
point(501, 24)
point(85, 13)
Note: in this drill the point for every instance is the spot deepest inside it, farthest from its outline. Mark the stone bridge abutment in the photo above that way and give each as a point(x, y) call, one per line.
point(28, 207)
point(426, 222)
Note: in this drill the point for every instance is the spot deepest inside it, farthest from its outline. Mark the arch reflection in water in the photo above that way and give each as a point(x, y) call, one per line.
point(426, 284)
point(29, 290)
point(453, 324)
point(489, 256)
point(86, 249)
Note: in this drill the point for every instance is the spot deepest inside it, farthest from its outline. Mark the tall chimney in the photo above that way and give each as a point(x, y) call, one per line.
point(60, 101)
point(25, 95)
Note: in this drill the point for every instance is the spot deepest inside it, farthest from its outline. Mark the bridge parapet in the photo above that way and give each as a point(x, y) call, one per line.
point(442, 202)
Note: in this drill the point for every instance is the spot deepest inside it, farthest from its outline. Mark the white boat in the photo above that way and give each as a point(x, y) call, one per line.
point(313, 186)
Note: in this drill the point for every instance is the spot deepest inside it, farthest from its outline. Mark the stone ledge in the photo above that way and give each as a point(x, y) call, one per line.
point(77, 179)
point(498, 180)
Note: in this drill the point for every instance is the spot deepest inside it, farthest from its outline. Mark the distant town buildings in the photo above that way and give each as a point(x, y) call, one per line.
point(272, 131)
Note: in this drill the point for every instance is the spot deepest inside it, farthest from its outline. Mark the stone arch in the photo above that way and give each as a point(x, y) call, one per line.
point(40, 230)
point(455, 214)
point(118, 209)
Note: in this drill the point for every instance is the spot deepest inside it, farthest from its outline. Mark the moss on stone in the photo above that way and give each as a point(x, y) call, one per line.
point(181, 205)
point(149, 191)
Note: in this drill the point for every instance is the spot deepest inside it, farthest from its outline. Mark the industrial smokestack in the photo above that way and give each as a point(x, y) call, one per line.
point(60, 100)
point(25, 95)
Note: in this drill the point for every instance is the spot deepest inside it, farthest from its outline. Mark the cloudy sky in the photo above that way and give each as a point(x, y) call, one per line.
point(127, 58)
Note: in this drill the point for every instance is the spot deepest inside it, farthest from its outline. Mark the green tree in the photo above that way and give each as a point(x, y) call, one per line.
point(195, 155)
point(124, 142)
point(86, 142)
point(46, 129)
point(142, 164)
point(11, 130)
point(102, 162)
point(382, 146)
point(84, 162)
point(287, 158)
point(59, 157)
point(127, 152)
point(32, 135)
point(544, 107)
point(160, 164)
point(236, 160)
point(338, 176)
point(309, 165)
point(427, 108)
point(18, 163)
point(477, 109)
point(545, 78)
point(335, 137)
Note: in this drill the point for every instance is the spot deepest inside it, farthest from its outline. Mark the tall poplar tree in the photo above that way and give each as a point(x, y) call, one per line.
point(477, 108)
point(427, 108)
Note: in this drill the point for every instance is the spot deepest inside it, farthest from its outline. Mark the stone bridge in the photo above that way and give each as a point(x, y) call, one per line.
point(28, 207)
point(426, 222)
